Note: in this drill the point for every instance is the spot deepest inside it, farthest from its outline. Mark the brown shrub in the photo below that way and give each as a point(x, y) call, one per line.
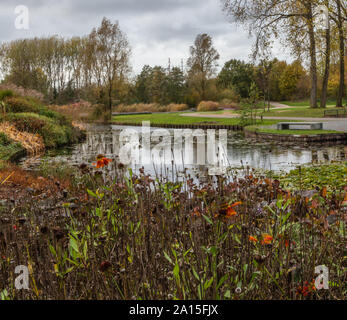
point(20, 91)
point(228, 104)
point(32, 125)
point(177, 107)
point(76, 111)
point(150, 107)
point(33, 143)
point(208, 106)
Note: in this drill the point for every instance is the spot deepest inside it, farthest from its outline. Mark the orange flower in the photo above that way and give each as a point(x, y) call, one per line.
point(267, 239)
point(101, 162)
point(196, 213)
point(230, 212)
point(253, 239)
point(324, 192)
point(236, 204)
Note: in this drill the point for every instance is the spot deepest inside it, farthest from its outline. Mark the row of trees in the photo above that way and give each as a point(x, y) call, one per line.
point(62, 69)
point(96, 67)
point(277, 80)
point(308, 27)
point(159, 85)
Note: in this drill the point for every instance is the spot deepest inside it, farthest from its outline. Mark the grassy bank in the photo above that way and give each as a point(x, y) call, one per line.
point(260, 128)
point(178, 119)
point(299, 111)
point(10, 150)
point(306, 103)
point(25, 120)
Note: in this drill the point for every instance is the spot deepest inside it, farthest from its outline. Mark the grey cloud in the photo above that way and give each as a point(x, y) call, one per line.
point(157, 29)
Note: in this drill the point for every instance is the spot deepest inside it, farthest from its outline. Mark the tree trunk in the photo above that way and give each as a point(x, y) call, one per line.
point(313, 58)
point(323, 102)
point(339, 101)
point(110, 98)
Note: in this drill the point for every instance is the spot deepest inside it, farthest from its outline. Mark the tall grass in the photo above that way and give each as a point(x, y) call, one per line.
point(32, 143)
point(151, 107)
point(208, 106)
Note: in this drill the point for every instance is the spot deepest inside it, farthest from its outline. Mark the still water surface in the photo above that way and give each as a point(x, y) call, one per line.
point(241, 152)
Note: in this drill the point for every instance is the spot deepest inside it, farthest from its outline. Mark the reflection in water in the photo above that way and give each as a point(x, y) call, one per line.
point(105, 140)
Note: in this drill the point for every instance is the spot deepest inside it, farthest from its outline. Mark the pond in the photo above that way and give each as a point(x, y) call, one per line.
point(157, 149)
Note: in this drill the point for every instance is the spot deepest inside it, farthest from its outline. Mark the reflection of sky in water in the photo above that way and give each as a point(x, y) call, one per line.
point(258, 155)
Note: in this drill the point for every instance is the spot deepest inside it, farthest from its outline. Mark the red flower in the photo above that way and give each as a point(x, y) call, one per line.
point(267, 239)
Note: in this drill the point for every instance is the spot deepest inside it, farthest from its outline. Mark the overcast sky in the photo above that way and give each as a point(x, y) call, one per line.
point(156, 29)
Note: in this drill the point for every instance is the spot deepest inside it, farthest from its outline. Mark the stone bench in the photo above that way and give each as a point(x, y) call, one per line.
point(310, 125)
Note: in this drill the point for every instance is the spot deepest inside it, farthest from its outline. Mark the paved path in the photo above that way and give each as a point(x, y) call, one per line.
point(339, 124)
point(277, 105)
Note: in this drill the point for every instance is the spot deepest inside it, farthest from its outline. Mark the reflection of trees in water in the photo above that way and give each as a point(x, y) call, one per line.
point(329, 154)
point(247, 153)
point(100, 143)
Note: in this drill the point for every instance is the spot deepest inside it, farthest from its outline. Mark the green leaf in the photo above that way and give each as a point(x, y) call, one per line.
point(208, 284)
point(237, 239)
point(195, 274)
point(74, 244)
point(91, 193)
point(176, 270)
point(209, 221)
point(221, 281)
point(167, 257)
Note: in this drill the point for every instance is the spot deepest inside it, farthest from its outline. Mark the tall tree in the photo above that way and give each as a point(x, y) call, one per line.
point(339, 16)
point(202, 63)
point(263, 73)
point(267, 18)
point(237, 74)
point(324, 97)
point(110, 52)
point(176, 85)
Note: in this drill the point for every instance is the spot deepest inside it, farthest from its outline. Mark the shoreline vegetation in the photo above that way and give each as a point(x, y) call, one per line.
point(140, 237)
point(29, 127)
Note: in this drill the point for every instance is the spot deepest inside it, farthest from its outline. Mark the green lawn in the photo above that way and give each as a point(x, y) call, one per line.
point(292, 132)
point(305, 112)
point(306, 103)
point(175, 118)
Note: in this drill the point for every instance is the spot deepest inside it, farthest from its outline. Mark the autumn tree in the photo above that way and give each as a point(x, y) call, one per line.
point(268, 19)
point(262, 75)
point(202, 63)
point(338, 14)
point(110, 54)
